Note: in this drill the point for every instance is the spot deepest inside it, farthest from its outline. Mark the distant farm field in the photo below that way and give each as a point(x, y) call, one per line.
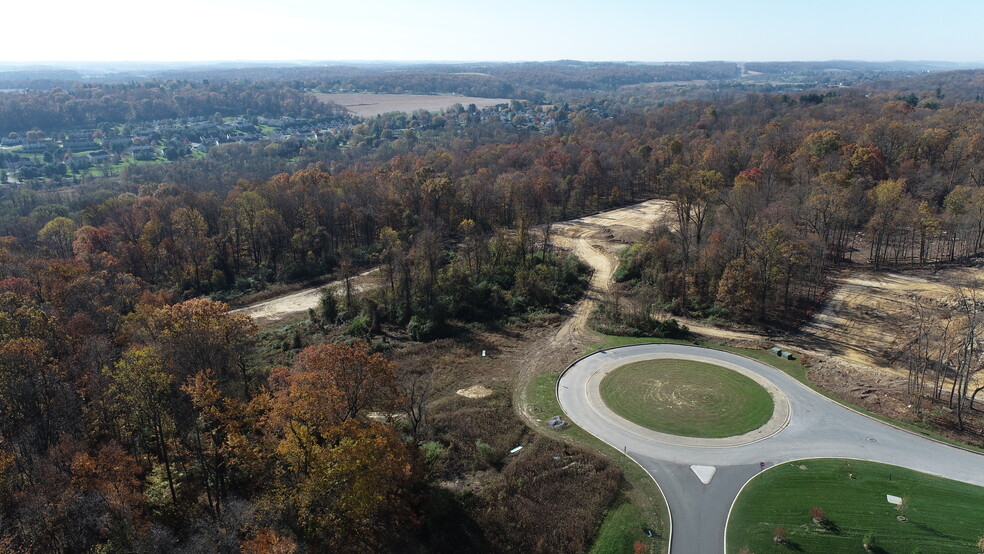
point(364, 104)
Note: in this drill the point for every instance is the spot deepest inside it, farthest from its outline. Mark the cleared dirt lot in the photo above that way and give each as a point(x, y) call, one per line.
point(868, 314)
point(365, 104)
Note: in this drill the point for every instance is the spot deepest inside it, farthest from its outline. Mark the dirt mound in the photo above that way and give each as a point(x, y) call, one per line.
point(475, 391)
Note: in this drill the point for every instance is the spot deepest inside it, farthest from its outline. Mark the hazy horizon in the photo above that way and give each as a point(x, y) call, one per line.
point(440, 30)
point(136, 68)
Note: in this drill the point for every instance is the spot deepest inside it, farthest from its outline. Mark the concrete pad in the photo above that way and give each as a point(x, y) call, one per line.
point(893, 499)
point(704, 473)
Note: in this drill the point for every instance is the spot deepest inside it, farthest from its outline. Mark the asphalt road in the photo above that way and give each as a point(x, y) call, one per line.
point(813, 427)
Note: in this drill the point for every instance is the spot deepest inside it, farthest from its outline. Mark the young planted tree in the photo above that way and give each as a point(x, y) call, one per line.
point(902, 508)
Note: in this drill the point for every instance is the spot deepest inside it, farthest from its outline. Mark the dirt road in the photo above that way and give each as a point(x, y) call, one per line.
point(278, 308)
point(596, 239)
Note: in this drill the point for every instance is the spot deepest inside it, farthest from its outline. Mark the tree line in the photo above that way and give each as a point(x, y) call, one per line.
point(769, 192)
point(88, 105)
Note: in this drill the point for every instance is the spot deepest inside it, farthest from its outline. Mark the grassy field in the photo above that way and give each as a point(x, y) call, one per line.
point(943, 516)
point(684, 397)
point(369, 104)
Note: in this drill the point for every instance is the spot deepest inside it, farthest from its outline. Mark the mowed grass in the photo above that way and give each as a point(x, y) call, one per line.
point(683, 397)
point(943, 515)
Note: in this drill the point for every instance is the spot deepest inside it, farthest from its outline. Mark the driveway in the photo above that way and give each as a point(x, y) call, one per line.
point(813, 427)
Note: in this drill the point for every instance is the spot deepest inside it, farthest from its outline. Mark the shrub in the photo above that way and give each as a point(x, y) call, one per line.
point(328, 307)
point(359, 326)
point(868, 541)
point(484, 449)
point(636, 323)
point(432, 451)
point(422, 328)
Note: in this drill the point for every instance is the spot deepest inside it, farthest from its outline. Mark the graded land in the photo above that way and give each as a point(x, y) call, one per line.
point(369, 104)
point(941, 515)
point(853, 365)
point(855, 344)
point(684, 397)
point(868, 314)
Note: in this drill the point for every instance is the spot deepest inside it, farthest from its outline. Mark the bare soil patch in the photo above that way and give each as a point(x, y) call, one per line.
point(868, 313)
point(279, 308)
point(367, 104)
point(854, 344)
point(475, 391)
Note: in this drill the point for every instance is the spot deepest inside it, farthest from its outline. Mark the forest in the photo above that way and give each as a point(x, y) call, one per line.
point(90, 105)
point(139, 414)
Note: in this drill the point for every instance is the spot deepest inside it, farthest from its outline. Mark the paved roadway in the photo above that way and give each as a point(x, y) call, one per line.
point(813, 427)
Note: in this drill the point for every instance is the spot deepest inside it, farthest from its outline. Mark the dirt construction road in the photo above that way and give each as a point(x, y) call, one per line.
point(278, 308)
point(596, 239)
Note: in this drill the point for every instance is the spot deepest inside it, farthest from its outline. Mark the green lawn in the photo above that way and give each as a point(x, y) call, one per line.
point(621, 529)
point(683, 397)
point(943, 515)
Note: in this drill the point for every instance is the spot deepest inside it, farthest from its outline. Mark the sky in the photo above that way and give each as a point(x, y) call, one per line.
point(500, 30)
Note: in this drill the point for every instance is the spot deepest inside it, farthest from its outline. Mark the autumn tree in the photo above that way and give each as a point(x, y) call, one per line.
point(142, 386)
point(345, 380)
point(57, 235)
point(341, 475)
point(196, 335)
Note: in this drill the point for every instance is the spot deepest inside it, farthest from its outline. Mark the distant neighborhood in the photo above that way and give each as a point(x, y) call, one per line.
point(33, 155)
point(39, 156)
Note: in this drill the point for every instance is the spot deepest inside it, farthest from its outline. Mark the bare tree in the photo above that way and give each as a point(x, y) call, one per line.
point(416, 393)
